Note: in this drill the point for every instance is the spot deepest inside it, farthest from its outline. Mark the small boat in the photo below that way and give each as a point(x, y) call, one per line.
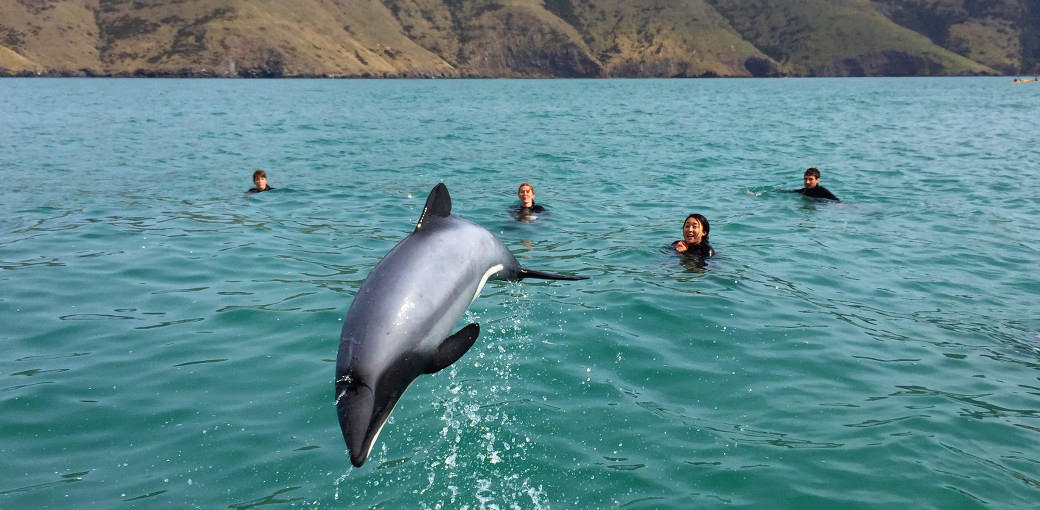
point(1025, 80)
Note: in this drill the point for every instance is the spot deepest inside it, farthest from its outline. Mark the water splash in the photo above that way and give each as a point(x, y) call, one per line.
point(483, 465)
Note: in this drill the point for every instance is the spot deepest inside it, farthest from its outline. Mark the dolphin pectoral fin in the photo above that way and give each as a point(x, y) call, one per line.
point(453, 347)
point(438, 205)
point(531, 273)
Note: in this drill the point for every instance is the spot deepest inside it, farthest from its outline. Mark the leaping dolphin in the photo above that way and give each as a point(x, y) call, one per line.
point(399, 323)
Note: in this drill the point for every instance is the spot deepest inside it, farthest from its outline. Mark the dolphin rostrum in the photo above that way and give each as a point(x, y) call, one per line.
point(399, 324)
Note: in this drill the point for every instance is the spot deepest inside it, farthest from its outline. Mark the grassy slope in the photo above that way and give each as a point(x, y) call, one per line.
point(261, 37)
point(430, 24)
point(988, 32)
point(518, 37)
point(839, 37)
point(581, 38)
point(511, 38)
point(662, 38)
point(48, 34)
point(521, 38)
point(10, 59)
point(992, 42)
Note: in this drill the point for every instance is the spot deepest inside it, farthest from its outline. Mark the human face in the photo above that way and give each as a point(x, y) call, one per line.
point(260, 182)
point(811, 181)
point(526, 196)
point(692, 231)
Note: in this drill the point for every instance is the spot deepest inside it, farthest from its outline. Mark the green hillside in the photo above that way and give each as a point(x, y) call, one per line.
point(840, 38)
point(1001, 34)
point(662, 38)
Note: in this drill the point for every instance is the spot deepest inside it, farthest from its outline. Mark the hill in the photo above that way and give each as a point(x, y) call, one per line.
point(1001, 34)
point(840, 38)
point(518, 38)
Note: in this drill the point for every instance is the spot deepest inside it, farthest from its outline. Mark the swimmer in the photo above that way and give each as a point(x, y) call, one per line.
point(260, 180)
point(694, 242)
point(527, 209)
point(812, 186)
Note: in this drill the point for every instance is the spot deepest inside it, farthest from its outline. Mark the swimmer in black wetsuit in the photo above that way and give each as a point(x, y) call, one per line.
point(527, 211)
point(695, 238)
point(260, 180)
point(812, 187)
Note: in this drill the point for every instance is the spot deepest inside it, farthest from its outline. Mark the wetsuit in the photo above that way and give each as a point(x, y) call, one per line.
point(529, 210)
point(700, 250)
point(258, 190)
point(526, 214)
point(816, 192)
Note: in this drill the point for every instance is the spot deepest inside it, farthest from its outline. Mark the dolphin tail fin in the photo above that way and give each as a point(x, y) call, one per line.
point(453, 347)
point(438, 205)
point(531, 273)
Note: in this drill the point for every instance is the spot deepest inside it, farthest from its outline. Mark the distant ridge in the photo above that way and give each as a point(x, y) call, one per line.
point(518, 38)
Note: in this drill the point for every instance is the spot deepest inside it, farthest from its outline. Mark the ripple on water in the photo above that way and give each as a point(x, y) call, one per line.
point(171, 338)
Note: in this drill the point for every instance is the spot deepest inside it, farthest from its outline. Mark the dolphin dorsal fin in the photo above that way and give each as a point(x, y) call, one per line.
point(438, 205)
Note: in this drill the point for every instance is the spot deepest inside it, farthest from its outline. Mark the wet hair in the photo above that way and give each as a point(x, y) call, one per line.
point(522, 187)
point(814, 172)
point(259, 173)
point(703, 221)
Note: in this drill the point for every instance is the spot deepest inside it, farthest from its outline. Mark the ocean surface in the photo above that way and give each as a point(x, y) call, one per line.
point(169, 341)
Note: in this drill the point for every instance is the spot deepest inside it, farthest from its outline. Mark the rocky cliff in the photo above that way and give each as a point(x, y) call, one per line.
point(518, 38)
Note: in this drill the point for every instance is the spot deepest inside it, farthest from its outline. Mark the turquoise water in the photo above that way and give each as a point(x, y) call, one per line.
point(169, 341)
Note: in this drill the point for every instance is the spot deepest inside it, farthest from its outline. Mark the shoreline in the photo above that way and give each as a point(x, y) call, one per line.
point(205, 74)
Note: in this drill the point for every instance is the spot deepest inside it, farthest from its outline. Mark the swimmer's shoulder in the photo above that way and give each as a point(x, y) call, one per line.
point(818, 192)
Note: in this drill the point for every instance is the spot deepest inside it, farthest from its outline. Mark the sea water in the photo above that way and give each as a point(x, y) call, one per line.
point(168, 341)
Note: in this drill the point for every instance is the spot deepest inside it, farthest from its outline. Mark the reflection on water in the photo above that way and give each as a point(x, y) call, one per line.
point(527, 214)
point(693, 264)
point(65, 478)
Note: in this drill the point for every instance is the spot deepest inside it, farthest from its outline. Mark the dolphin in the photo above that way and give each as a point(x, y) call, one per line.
point(399, 325)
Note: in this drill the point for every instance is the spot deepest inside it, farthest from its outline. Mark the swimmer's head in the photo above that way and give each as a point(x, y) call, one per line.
point(260, 179)
point(812, 178)
point(526, 194)
point(695, 229)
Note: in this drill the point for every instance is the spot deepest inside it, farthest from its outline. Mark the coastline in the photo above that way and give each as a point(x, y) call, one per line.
point(415, 75)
